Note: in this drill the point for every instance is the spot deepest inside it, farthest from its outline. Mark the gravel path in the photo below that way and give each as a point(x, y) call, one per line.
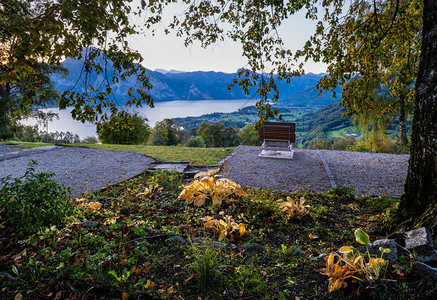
point(305, 172)
point(83, 169)
point(368, 173)
point(86, 169)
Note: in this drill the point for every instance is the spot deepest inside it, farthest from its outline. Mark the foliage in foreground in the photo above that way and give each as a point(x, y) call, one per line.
point(134, 250)
point(352, 264)
point(34, 200)
point(210, 188)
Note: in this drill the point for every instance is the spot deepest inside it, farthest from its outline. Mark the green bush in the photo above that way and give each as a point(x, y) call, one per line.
point(125, 128)
point(196, 142)
point(34, 200)
point(164, 133)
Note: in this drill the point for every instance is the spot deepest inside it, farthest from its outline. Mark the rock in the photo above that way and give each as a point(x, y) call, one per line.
point(90, 224)
point(392, 257)
point(417, 238)
point(150, 230)
point(320, 257)
point(219, 245)
point(300, 253)
point(253, 247)
point(426, 254)
point(177, 238)
point(420, 243)
point(425, 269)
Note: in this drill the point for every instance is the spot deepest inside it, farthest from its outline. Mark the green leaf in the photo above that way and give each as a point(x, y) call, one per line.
point(362, 237)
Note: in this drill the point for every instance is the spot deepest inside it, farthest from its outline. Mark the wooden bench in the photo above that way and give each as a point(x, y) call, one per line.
point(277, 136)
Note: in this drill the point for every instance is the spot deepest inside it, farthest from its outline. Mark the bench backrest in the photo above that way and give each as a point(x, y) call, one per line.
point(278, 131)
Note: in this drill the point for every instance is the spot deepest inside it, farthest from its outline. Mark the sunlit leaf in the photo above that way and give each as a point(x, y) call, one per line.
point(362, 237)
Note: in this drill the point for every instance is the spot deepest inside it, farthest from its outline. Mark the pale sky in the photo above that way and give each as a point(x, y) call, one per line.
point(168, 51)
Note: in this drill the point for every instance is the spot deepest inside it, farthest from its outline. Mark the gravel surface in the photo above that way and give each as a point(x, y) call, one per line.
point(368, 173)
point(86, 169)
point(305, 172)
point(83, 169)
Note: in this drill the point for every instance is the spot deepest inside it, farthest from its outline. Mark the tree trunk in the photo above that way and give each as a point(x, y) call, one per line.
point(418, 205)
point(402, 120)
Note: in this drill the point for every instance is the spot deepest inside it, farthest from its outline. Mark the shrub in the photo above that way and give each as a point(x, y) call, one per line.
point(164, 133)
point(198, 191)
point(125, 128)
point(249, 136)
point(34, 200)
point(196, 142)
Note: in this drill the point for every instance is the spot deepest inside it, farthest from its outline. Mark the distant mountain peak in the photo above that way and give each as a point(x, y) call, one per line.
point(162, 71)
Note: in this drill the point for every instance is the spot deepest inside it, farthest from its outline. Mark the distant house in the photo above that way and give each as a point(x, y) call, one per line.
point(350, 133)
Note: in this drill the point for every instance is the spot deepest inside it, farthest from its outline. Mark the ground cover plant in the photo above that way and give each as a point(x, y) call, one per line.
point(139, 240)
point(196, 156)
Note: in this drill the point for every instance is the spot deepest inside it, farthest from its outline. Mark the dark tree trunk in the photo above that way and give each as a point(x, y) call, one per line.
point(418, 205)
point(402, 120)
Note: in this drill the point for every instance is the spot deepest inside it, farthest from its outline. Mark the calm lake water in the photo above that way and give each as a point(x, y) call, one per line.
point(161, 111)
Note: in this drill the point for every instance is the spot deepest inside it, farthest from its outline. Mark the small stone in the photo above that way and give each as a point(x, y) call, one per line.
point(420, 243)
point(90, 224)
point(178, 239)
point(422, 268)
point(319, 257)
point(253, 247)
point(418, 237)
point(300, 253)
point(219, 245)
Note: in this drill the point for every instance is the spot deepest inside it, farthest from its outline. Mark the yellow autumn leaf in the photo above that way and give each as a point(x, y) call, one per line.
point(242, 229)
point(93, 206)
point(345, 249)
point(18, 296)
point(149, 284)
point(200, 200)
point(217, 200)
point(146, 192)
point(189, 278)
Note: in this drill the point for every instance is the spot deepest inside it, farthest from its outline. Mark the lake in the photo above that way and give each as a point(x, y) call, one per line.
point(161, 111)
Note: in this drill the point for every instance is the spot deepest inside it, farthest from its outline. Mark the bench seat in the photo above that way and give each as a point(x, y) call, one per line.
point(277, 136)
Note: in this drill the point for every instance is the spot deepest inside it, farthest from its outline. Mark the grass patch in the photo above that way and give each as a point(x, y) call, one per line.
point(147, 243)
point(25, 144)
point(196, 156)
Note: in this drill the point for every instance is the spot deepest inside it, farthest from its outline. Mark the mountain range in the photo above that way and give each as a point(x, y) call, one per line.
point(199, 85)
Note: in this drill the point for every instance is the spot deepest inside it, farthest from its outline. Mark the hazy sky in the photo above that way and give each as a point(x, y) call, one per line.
point(168, 51)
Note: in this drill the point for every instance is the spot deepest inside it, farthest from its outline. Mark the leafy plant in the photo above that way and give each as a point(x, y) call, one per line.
point(168, 180)
point(34, 200)
point(295, 209)
point(226, 228)
point(352, 264)
point(206, 265)
point(208, 187)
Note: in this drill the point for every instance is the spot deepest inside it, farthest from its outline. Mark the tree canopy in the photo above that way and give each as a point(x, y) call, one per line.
point(49, 31)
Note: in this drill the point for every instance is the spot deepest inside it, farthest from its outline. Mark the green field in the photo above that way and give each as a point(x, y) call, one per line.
point(196, 156)
point(25, 144)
